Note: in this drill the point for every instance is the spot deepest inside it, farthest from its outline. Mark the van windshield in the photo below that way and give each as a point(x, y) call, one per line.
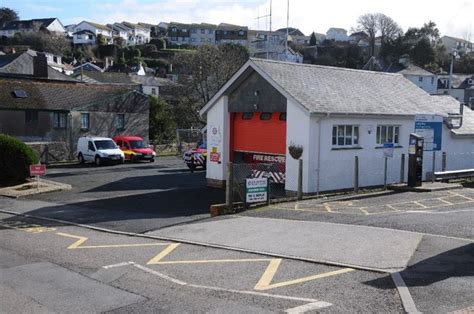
point(138, 144)
point(105, 144)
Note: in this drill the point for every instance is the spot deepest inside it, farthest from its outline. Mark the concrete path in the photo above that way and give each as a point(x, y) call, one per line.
point(357, 246)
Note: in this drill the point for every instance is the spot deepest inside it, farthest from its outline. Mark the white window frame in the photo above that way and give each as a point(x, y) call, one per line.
point(349, 133)
point(387, 134)
point(85, 117)
point(59, 120)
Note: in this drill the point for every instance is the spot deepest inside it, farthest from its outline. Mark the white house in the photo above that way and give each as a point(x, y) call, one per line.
point(137, 34)
point(335, 114)
point(337, 34)
point(29, 26)
point(460, 45)
point(87, 32)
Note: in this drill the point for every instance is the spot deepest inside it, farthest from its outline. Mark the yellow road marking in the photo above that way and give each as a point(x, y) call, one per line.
point(81, 240)
point(296, 206)
point(163, 253)
point(265, 282)
point(419, 204)
point(328, 207)
point(445, 201)
point(363, 209)
point(23, 226)
point(457, 194)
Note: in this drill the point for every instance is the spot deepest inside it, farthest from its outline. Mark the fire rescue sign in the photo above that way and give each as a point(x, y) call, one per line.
point(256, 190)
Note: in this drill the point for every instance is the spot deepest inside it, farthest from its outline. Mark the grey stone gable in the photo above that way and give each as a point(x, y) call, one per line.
point(330, 90)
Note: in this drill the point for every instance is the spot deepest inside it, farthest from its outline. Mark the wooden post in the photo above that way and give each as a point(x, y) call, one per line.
point(402, 169)
point(300, 180)
point(356, 174)
point(433, 167)
point(385, 174)
point(230, 186)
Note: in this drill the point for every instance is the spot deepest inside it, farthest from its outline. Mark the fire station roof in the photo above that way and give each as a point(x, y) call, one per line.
point(331, 90)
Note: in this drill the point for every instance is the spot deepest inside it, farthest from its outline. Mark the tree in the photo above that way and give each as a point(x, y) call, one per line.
point(162, 124)
point(210, 67)
point(7, 15)
point(42, 41)
point(423, 54)
point(312, 40)
point(101, 40)
point(378, 24)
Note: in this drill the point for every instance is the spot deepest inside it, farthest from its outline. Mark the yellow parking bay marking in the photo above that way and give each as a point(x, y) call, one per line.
point(265, 282)
point(27, 227)
point(81, 240)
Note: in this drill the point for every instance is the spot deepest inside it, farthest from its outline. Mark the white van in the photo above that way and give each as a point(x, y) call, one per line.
point(99, 150)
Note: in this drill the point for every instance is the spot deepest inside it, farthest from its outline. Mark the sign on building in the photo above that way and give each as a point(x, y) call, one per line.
point(388, 150)
point(256, 190)
point(430, 127)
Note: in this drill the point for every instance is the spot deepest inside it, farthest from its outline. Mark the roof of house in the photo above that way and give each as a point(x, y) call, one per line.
point(78, 66)
point(456, 38)
point(22, 63)
point(96, 25)
point(28, 24)
point(84, 31)
point(337, 29)
point(411, 69)
point(151, 80)
point(49, 95)
point(291, 31)
point(226, 26)
point(458, 80)
point(331, 90)
point(104, 77)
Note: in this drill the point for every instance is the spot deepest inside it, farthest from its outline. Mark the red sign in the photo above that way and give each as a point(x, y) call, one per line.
point(215, 157)
point(37, 170)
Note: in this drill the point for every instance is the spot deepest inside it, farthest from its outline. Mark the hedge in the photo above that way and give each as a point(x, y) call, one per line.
point(15, 159)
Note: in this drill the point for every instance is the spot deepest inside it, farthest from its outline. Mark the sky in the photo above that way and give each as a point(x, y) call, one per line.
point(453, 17)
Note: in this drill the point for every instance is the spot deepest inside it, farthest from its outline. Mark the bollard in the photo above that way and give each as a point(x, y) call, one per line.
point(443, 161)
point(229, 191)
point(385, 174)
point(356, 174)
point(402, 169)
point(433, 167)
point(300, 179)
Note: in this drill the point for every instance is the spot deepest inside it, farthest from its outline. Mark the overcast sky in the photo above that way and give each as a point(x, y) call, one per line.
point(453, 17)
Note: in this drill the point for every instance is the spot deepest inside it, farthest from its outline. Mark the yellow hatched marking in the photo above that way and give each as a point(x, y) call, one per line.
point(445, 201)
point(265, 282)
point(419, 204)
point(364, 210)
point(297, 206)
point(81, 240)
point(460, 195)
point(328, 207)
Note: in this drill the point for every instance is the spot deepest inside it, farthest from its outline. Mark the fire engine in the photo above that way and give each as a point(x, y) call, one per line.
point(196, 157)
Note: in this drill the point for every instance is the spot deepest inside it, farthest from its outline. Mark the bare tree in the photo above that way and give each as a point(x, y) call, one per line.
point(378, 24)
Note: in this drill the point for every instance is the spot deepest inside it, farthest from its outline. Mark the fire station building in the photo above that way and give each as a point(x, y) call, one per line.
point(334, 114)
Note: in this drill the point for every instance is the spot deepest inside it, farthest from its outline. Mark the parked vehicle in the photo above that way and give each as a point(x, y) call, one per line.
point(196, 157)
point(99, 150)
point(135, 148)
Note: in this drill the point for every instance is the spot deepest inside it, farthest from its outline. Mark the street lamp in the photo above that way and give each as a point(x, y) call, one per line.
point(453, 55)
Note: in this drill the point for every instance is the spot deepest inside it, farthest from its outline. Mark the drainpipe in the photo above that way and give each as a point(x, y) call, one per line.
point(318, 174)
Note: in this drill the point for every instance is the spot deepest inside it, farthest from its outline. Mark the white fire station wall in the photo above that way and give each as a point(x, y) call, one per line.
point(218, 119)
point(298, 131)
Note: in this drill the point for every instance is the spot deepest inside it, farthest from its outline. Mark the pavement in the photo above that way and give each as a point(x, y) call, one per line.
point(353, 246)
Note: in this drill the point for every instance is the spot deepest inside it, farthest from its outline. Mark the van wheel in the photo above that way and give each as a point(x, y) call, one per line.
point(80, 158)
point(97, 161)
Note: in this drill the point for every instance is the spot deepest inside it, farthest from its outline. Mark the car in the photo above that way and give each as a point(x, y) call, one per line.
point(196, 157)
point(99, 150)
point(135, 148)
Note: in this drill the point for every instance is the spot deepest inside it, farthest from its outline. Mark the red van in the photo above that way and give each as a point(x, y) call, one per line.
point(135, 148)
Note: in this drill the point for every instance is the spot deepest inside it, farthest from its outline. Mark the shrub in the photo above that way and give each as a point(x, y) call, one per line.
point(15, 159)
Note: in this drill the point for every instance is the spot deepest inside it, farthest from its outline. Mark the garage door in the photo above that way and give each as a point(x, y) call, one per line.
point(262, 132)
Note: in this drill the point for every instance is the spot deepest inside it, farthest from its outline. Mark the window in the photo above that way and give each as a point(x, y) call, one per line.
point(84, 121)
point(203, 40)
point(420, 79)
point(119, 143)
point(193, 39)
point(282, 116)
point(265, 116)
point(194, 31)
point(91, 37)
point(209, 40)
point(31, 116)
point(153, 91)
point(59, 120)
point(203, 31)
point(432, 80)
point(247, 115)
point(79, 36)
point(345, 135)
point(388, 134)
point(210, 31)
point(90, 146)
point(120, 121)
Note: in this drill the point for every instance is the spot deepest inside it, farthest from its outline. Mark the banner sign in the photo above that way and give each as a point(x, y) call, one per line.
point(256, 190)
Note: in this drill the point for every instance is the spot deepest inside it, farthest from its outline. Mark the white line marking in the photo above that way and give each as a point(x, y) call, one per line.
point(407, 300)
point(182, 283)
point(308, 307)
point(117, 265)
point(438, 212)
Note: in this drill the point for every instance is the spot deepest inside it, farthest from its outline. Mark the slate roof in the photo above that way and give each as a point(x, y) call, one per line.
point(151, 80)
point(84, 31)
point(22, 63)
point(28, 24)
point(104, 77)
point(48, 95)
point(322, 89)
point(96, 25)
point(411, 69)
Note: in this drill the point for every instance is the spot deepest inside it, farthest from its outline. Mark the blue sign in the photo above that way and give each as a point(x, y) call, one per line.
point(430, 127)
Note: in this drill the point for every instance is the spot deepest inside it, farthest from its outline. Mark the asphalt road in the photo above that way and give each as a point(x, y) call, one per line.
point(48, 267)
point(134, 197)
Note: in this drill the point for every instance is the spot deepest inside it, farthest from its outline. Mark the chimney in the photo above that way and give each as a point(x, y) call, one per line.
point(40, 66)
